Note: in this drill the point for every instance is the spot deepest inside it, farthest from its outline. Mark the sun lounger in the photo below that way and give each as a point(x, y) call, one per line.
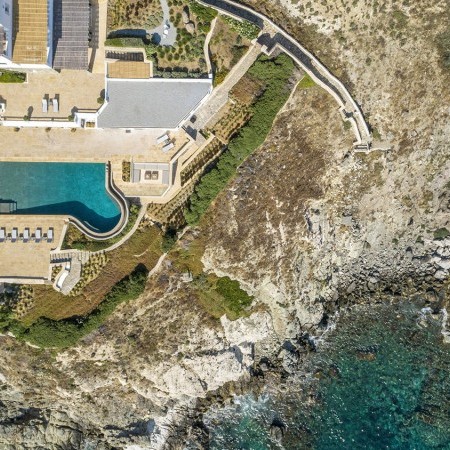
point(14, 235)
point(55, 105)
point(44, 105)
point(2, 234)
point(26, 234)
point(38, 234)
point(167, 147)
point(162, 139)
point(50, 235)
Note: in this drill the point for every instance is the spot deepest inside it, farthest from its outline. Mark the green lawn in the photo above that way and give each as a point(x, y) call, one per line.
point(12, 77)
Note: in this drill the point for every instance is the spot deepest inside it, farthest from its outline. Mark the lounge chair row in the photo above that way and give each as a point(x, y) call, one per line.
point(53, 102)
point(26, 235)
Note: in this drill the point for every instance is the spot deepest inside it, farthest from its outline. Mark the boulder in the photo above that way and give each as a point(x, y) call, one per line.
point(190, 27)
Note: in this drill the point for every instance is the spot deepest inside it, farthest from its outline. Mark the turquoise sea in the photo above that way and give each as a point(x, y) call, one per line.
point(381, 380)
point(77, 189)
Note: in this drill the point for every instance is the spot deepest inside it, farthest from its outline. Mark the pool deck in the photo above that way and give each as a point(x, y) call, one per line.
point(28, 261)
point(37, 144)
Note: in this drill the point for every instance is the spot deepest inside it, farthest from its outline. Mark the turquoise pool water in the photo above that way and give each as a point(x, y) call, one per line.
point(77, 189)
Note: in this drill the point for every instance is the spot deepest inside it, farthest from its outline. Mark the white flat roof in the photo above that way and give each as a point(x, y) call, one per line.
point(151, 103)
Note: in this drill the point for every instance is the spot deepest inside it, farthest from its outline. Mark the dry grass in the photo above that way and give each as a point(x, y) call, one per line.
point(247, 89)
point(144, 247)
point(227, 48)
point(133, 14)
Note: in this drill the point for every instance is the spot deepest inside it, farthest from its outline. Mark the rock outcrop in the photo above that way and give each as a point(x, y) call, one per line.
point(307, 227)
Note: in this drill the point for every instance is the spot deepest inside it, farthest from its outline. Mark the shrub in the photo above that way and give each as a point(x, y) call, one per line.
point(441, 233)
point(274, 73)
point(64, 333)
point(169, 239)
point(443, 44)
point(243, 28)
point(235, 298)
point(203, 13)
point(12, 77)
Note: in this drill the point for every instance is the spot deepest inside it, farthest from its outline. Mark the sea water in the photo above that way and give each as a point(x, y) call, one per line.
point(380, 380)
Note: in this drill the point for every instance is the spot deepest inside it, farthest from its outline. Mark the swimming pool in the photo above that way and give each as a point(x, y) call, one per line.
point(76, 189)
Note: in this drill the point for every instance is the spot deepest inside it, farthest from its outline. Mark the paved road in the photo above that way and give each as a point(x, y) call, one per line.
point(305, 59)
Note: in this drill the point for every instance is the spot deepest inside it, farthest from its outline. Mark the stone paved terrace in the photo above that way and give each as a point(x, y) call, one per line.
point(28, 259)
point(75, 88)
point(37, 144)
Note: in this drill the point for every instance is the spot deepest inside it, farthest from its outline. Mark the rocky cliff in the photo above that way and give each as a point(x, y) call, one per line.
point(306, 227)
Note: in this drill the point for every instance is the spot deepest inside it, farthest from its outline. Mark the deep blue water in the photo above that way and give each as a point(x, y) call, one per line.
point(381, 381)
point(77, 189)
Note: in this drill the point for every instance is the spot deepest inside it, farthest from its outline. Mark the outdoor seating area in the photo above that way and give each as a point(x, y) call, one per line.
point(167, 143)
point(50, 94)
point(26, 235)
point(52, 101)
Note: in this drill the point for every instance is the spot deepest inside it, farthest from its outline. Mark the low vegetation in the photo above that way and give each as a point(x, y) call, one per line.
point(126, 171)
point(12, 77)
point(217, 296)
point(90, 271)
point(134, 14)
point(441, 233)
point(443, 43)
point(275, 74)
point(227, 46)
point(306, 82)
point(244, 28)
point(76, 239)
point(64, 333)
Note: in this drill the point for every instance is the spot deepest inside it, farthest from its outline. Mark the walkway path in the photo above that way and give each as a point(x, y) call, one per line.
point(171, 36)
point(219, 95)
point(315, 69)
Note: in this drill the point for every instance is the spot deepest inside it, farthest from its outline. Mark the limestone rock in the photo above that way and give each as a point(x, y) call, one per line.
point(190, 27)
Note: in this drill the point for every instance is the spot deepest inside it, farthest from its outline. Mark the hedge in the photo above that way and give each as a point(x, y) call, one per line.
point(67, 332)
point(275, 74)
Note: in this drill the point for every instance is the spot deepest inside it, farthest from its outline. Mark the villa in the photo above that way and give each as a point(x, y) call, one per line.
point(96, 129)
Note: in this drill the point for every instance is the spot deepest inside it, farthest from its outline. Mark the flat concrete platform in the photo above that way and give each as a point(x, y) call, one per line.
point(152, 103)
point(74, 89)
point(37, 144)
point(28, 260)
